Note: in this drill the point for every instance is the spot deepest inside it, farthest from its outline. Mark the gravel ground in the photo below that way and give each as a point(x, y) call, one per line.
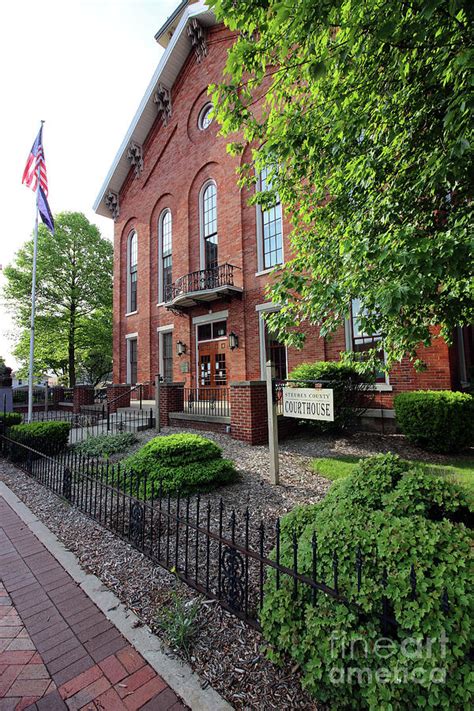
point(226, 653)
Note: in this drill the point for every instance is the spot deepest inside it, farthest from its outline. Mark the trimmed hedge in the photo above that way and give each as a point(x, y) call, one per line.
point(106, 444)
point(45, 437)
point(351, 386)
point(180, 462)
point(436, 420)
point(11, 418)
point(400, 516)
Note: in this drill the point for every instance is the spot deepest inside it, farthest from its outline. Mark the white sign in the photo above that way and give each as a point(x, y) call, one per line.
point(308, 404)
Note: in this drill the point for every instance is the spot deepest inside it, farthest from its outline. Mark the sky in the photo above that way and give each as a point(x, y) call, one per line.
point(82, 66)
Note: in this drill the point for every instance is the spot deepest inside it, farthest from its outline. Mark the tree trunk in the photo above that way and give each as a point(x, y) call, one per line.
point(72, 347)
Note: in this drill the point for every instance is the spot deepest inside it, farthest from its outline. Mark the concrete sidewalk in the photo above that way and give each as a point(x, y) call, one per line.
point(57, 649)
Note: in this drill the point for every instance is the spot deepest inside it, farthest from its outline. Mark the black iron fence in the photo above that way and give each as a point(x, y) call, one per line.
point(223, 554)
point(207, 401)
point(97, 420)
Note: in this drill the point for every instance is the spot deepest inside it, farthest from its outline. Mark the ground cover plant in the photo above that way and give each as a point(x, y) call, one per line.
point(179, 462)
point(107, 444)
point(439, 421)
point(415, 542)
point(459, 472)
point(47, 437)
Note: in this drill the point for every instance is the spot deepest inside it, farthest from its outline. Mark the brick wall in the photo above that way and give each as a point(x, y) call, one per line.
point(82, 395)
point(171, 400)
point(248, 412)
point(178, 159)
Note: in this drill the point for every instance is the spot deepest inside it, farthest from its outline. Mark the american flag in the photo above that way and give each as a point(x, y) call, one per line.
point(36, 161)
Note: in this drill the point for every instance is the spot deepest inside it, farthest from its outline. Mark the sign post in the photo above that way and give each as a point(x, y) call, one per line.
point(272, 426)
point(157, 403)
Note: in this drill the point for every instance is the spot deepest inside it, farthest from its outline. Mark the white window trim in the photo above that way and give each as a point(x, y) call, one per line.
point(161, 331)
point(130, 337)
point(207, 106)
point(378, 387)
point(129, 239)
point(209, 318)
point(262, 309)
point(202, 250)
point(161, 296)
point(261, 269)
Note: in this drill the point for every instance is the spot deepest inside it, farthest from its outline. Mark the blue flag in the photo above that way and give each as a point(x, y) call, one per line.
point(44, 210)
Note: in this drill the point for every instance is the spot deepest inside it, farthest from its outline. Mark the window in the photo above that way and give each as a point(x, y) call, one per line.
point(132, 274)
point(210, 331)
point(205, 117)
point(271, 348)
point(269, 228)
point(361, 341)
point(132, 365)
point(209, 225)
point(167, 356)
point(165, 268)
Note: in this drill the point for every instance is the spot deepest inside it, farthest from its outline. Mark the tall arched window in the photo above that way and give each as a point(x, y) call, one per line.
point(132, 274)
point(269, 231)
point(165, 236)
point(209, 225)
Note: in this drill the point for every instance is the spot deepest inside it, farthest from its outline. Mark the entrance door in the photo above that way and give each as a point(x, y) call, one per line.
point(212, 365)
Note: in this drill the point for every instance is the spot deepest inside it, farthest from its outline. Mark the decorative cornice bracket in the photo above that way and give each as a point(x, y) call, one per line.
point(112, 204)
point(198, 36)
point(135, 156)
point(162, 99)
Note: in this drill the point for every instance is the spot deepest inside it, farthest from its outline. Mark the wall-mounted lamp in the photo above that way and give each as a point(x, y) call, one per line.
point(233, 340)
point(180, 348)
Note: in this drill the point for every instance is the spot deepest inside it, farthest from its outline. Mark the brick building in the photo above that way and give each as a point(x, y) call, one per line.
point(192, 258)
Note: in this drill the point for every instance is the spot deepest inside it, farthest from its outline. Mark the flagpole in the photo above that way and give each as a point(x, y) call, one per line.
point(33, 302)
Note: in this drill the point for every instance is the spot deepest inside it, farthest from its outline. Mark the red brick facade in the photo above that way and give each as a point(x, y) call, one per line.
point(178, 160)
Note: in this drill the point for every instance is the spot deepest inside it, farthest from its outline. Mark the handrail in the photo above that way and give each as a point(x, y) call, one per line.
point(138, 386)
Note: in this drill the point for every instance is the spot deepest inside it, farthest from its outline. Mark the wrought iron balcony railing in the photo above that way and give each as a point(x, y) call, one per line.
point(202, 285)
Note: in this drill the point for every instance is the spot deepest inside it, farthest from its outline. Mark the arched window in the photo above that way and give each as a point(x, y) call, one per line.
point(269, 231)
point(165, 237)
point(209, 225)
point(132, 274)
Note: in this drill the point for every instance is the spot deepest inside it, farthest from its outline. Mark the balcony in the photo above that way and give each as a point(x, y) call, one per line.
point(202, 287)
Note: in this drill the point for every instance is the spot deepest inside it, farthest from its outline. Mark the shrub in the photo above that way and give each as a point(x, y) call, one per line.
point(105, 445)
point(181, 462)
point(45, 437)
point(351, 386)
point(11, 418)
point(340, 647)
point(440, 421)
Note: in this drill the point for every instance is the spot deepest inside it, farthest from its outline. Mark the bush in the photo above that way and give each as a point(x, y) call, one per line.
point(181, 462)
point(105, 445)
point(340, 647)
point(350, 383)
point(45, 437)
point(11, 418)
point(440, 421)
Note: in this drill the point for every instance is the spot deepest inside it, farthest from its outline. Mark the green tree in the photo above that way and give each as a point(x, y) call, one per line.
point(363, 110)
point(73, 328)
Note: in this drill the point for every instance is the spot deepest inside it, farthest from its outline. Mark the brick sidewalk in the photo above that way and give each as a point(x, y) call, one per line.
point(57, 649)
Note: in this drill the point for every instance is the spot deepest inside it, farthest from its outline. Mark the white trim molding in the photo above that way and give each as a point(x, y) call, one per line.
point(262, 309)
point(161, 329)
point(209, 318)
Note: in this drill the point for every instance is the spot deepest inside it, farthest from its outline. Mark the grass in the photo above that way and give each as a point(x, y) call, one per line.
point(461, 473)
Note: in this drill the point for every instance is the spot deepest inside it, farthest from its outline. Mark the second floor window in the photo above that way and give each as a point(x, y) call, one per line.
point(209, 225)
point(132, 272)
point(271, 233)
point(165, 255)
